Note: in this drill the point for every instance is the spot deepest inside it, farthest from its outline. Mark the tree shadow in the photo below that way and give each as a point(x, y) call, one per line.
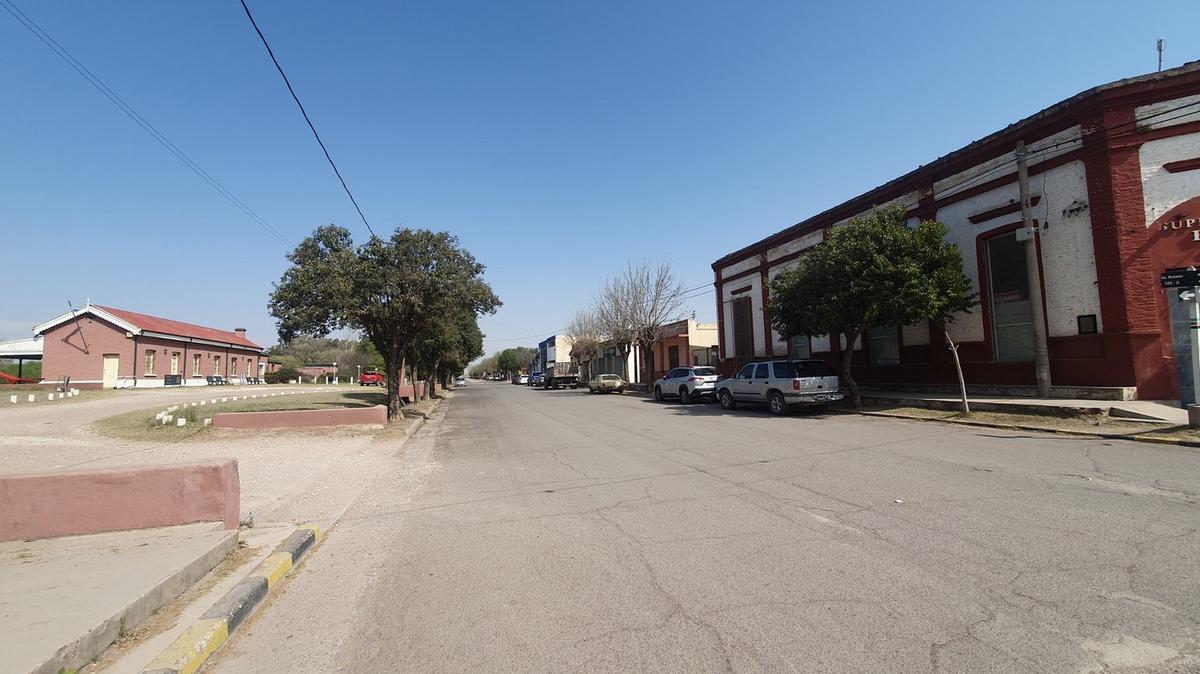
point(712, 408)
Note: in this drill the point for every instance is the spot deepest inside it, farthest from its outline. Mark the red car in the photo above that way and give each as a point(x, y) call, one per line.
point(371, 378)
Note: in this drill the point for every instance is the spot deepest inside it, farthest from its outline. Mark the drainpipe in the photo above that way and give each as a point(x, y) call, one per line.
point(183, 375)
point(134, 361)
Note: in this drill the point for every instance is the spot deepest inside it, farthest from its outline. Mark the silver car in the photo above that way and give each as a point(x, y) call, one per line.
point(689, 383)
point(780, 384)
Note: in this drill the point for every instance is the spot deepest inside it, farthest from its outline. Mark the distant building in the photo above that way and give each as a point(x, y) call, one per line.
point(105, 347)
point(684, 342)
point(319, 370)
point(1114, 175)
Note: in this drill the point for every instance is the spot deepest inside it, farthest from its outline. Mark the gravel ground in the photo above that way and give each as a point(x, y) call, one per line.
point(276, 467)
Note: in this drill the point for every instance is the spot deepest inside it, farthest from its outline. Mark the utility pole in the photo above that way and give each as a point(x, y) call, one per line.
point(1160, 52)
point(1029, 234)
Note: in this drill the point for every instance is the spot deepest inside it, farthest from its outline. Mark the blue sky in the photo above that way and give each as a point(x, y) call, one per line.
point(557, 139)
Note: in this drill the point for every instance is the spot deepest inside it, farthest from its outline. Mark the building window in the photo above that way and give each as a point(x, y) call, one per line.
point(672, 356)
point(883, 346)
point(174, 362)
point(149, 361)
point(195, 365)
point(743, 329)
point(1008, 299)
point(800, 347)
point(217, 365)
point(1087, 324)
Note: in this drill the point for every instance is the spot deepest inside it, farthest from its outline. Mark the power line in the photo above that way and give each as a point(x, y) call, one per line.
point(137, 118)
point(304, 112)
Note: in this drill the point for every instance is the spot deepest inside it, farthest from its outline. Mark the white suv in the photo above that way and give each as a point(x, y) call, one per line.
point(781, 383)
point(689, 383)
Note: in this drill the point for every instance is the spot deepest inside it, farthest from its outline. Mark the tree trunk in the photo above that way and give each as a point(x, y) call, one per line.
point(394, 367)
point(847, 359)
point(962, 383)
point(431, 380)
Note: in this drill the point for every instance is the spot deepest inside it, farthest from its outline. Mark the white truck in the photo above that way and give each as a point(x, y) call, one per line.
point(557, 369)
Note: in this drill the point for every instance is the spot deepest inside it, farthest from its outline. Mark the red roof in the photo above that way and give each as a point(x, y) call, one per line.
point(179, 328)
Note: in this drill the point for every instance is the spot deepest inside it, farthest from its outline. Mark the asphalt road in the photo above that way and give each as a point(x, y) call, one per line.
point(526, 530)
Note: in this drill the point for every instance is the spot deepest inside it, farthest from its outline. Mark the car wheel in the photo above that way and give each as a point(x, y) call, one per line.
point(726, 398)
point(684, 397)
point(658, 394)
point(776, 404)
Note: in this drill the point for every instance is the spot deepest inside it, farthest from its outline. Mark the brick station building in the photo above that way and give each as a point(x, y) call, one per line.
point(105, 347)
point(1115, 182)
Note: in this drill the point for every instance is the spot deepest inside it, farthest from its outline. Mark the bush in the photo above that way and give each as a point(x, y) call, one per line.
point(281, 376)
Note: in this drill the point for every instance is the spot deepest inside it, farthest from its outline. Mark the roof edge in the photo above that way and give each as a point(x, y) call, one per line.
point(1023, 124)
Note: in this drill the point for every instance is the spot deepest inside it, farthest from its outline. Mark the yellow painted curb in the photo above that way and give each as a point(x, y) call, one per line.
point(193, 647)
point(274, 567)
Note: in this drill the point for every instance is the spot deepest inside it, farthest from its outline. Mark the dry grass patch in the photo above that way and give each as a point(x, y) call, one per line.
point(141, 425)
point(1100, 424)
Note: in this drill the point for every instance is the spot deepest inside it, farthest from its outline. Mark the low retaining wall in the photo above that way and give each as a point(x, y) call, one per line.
point(341, 416)
point(43, 505)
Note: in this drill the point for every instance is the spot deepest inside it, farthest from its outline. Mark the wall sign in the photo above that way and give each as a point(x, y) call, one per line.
point(1183, 219)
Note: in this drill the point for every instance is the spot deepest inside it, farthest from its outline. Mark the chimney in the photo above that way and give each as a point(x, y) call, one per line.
point(241, 332)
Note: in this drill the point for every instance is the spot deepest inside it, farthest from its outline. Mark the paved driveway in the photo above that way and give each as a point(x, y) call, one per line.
point(527, 530)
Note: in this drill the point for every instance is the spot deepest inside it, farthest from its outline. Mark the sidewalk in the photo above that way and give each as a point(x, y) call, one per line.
point(64, 600)
point(1147, 410)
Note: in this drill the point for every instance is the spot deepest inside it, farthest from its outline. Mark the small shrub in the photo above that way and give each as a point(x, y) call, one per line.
point(281, 376)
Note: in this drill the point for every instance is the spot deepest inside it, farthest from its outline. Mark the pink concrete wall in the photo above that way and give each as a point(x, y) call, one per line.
point(345, 416)
point(87, 502)
point(63, 354)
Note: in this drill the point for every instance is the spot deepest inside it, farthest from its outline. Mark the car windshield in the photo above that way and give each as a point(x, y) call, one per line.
point(704, 371)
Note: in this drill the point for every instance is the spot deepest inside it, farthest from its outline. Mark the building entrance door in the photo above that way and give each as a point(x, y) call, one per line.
point(1181, 321)
point(1012, 311)
point(112, 363)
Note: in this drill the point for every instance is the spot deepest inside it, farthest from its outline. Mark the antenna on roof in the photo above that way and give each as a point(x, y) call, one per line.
point(78, 326)
point(1160, 51)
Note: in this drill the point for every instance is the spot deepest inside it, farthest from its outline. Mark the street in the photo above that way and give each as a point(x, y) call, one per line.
point(529, 530)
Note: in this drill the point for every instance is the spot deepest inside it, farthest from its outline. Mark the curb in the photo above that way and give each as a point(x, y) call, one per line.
point(190, 651)
point(1039, 429)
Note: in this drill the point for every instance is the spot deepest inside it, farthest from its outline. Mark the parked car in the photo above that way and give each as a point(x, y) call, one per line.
point(688, 383)
point(460, 381)
point(606, 383)
point(535, 379)
point(780, 384)
point(371, 378)
point(521, 379)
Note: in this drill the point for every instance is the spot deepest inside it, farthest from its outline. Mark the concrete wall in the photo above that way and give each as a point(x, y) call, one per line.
point(87, 502)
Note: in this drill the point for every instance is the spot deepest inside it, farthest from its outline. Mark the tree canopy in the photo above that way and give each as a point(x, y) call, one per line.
point(415, 295)
point(875, 271)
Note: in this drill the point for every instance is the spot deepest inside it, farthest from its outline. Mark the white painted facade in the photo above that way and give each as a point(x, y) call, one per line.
point(1068, 256)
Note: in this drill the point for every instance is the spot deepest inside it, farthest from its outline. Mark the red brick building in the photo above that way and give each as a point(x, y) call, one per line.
point(105, 347)
point(1115, 186)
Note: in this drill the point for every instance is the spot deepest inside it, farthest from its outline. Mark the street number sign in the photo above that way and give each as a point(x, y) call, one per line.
point(1180, 278)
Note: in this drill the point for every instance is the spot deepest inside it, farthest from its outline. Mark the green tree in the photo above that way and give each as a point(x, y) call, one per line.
point(875, 271)
point(509, 361)
point(396, 291)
